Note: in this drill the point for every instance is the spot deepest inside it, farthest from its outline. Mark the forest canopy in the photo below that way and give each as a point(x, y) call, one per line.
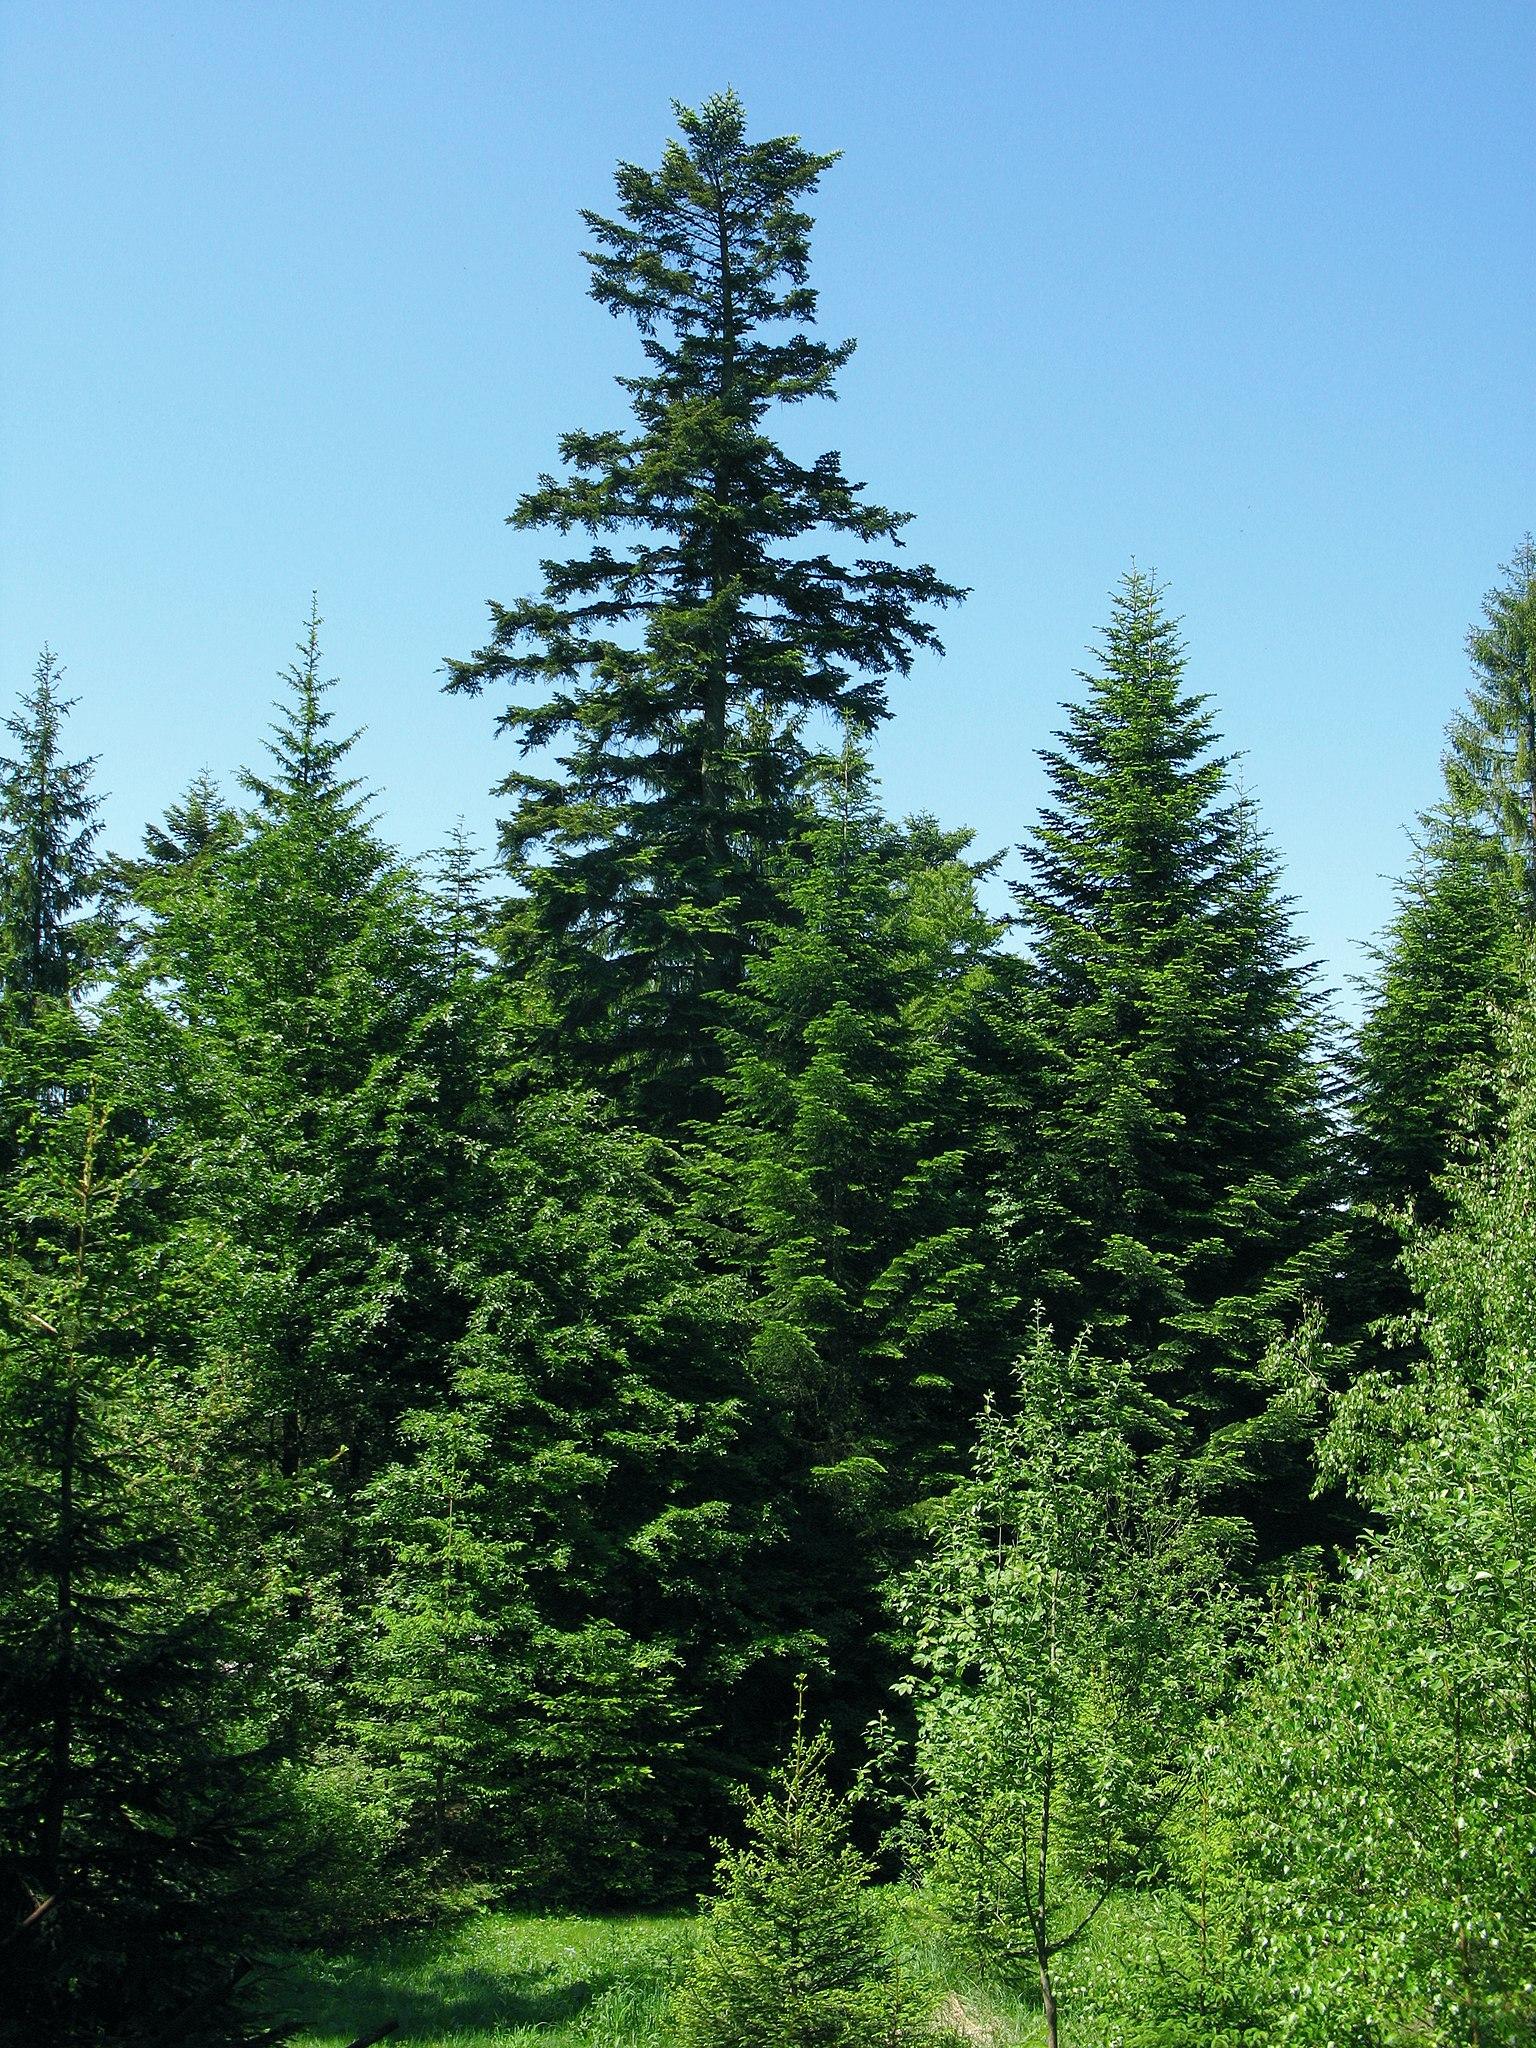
point(688, 1327)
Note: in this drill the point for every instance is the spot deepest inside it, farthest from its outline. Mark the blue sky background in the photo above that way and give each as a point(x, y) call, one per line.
point(1243, 291)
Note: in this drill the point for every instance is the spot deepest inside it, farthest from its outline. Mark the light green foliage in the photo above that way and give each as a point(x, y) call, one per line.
point(552, 1981)
point(1403, 1727)
point(1070, 1634)
point(1361, 1867)
point(496, 1982)
point(793, 1952)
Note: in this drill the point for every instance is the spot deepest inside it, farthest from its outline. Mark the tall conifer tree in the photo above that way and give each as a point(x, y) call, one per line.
point(678, 664)
point(1172, 1187)
point(141, 1817)
point(844, 1180)
point(1490, 762)
point(295, 1002)
point(1456, 954)
point(1451, 960)
point(48, 831)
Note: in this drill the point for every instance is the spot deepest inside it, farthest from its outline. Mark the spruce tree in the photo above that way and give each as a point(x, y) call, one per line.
point(194, 827)
point(1449, 964)
point(677, 662)
point(1171, 1191)
point(48, 863)
point(569, 1627)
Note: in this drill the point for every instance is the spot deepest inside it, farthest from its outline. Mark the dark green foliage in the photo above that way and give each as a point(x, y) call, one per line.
point(1451, 963)
point(140, 1818)
point(462, 1355)
point(792, 1953)
point(193, 829)
point(843, 1182)
point(48, 863)
point(318, 1068)
point(1455, 955)
point(296, 996)
point(1172, 1191)
point(679, 669)
point(566, 1542)
point(1490, 761)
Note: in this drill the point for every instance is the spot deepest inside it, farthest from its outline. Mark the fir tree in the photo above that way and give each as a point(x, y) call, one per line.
point(1449, 963)
point(141, 1820)
point(464, 913)
point(1455, 955)
point(1490, 762)
point(318, 1066)
point(48, 864)
point(844, 1181)
point(1172, 1184)
point(680, 667)
point(194, 827)
point(568, 1624)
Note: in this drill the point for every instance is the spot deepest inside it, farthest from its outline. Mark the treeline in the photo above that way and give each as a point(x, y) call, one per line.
point(475, 1333)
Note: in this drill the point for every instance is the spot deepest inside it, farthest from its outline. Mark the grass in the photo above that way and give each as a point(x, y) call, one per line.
point(495, 1982)
point(512, 1981)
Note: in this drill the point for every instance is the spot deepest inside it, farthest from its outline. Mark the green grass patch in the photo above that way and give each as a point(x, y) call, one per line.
point(535, 1981)
point(500, 1981)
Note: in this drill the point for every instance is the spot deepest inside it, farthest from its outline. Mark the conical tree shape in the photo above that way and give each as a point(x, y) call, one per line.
point(1172, 1187)
point(568, 1544)
point(792, 1953)
point(677, 667)
point(1449, 966)
point(1490, 762)
point(48, 864)
point(324, 1072)
point(1455, 955)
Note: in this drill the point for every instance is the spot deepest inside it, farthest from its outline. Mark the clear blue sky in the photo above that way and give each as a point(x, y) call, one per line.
point(1241, 290)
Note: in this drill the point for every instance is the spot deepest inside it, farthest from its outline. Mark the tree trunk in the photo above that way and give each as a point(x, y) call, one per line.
point(1048, 2005)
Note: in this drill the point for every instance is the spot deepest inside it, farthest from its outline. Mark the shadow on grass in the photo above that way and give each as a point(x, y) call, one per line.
point(430, 1996)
